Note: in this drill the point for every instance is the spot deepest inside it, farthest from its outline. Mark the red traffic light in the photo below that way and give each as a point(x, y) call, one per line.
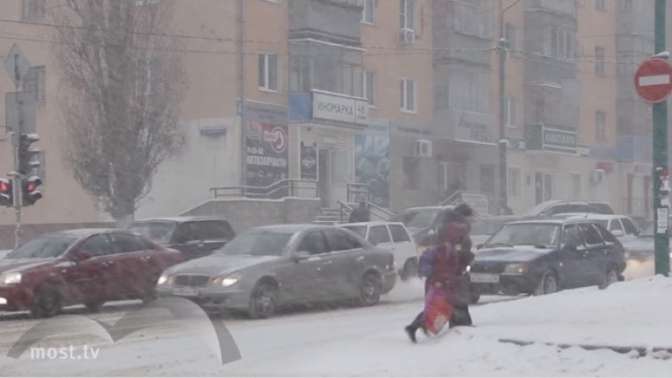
point(4, 186)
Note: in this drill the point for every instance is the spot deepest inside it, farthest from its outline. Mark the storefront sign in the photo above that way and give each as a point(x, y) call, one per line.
point(267, 153)
point(372, 166)
point(308, 162)
point(540, 137)
point(339, 108)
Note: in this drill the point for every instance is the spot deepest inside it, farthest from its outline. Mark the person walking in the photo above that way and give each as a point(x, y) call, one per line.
point(440, 264)
point(461, 315)
point(360, 214)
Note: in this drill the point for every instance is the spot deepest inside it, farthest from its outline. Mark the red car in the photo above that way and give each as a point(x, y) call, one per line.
point(88, 266)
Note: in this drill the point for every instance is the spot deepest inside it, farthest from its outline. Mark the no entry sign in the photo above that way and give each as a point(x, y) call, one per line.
point(653, 80)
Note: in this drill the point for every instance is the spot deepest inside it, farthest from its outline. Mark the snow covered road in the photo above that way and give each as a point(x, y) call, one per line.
point(370, 341)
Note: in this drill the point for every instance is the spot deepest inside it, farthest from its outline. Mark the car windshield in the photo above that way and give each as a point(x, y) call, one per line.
point(359, 230)
point(603, 222)
point(485, 227)
point(159, 232)
point(258, 243)
point(47, 246)
point(420, 218)
point(534, 234)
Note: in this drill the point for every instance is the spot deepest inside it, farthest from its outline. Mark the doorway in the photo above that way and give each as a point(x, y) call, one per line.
point(324, 177)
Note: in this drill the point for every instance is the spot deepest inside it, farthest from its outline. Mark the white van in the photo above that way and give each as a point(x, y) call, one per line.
point(394, 237)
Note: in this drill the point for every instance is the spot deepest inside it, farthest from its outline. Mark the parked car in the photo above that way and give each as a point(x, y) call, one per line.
point(621, 226)
point(87, 266)
point(193, 236)
point(553, 207)
point(269, 267)
point(392, 236)
point(484, 227)
point(543, 256)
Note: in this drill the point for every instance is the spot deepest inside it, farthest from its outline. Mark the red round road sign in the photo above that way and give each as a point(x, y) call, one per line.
point(653, 80)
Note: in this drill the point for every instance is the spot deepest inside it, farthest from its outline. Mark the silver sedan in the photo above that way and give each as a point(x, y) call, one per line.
point(272, 266)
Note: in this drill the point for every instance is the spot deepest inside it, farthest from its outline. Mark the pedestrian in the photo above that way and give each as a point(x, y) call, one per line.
point(440, 264)
point(360, 214)
point(461, 315)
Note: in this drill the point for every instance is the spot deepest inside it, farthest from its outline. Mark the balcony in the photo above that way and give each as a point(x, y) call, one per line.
point(335, 21)
point(557, 7)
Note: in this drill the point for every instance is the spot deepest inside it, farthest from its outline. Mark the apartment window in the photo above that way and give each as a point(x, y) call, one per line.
point(35, 83)
point(562, 44)
point(514, 182)
point(368, 13)
point(369, 86)
point(408, 95)
point(34, 9)
point(299, 74)
point(600, 126)
point(600, 5)
point(268, 72)
point(599, 60)
point(510, 35)
point(407, 16)
point(510, 111)
point(576, 186)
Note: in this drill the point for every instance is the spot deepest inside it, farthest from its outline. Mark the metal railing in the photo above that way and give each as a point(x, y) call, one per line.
point(279, 189)
point(451, 198)
point(377, 212)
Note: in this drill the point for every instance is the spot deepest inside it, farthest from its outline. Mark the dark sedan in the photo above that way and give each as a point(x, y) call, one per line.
point(267, 267)
point(543, 256)
point(86, 267)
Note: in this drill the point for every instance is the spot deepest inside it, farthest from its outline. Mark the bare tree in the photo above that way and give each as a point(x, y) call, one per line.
point(124, 83)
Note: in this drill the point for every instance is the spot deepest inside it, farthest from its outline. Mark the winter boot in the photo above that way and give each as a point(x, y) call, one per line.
point(410, 331)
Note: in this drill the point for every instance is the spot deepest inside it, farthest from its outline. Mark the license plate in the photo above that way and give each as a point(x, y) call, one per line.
point(185, 291)
point(484, 278)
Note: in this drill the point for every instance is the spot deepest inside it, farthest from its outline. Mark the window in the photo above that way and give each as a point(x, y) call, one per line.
point(562, 44)
point(359, 230)
point(35, 82)
point(268, 72)
point(510, 35)
point(411, 171)
point(368, 13)
point(593, 236)
point(369, 86)
point(399, 234)
point(340, 240)
point(630, 227)
point(615, 225)
point(97, 245)
point(487, 182)
point(576, 185)
point(379, 235)
point(573, 236)
point(299, 74)
point(34, 9)
point(407, 16)
point(599, 60)
point(124, 243)
point(313, 243)
point(514, 182)
point(626, 4)
point(600, 5)
point(408, 92)
point(510, 111)
point(600, 126)
point(212, 230)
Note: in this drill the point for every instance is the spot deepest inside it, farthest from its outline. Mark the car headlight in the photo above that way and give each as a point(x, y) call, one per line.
point(515, 269)
point(163, 279)
point(10, 278)
point(229, 280)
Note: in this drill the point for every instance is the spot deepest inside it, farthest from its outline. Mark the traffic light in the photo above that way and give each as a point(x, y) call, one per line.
point(31, 190)
point(28, 157)
point(6, 193)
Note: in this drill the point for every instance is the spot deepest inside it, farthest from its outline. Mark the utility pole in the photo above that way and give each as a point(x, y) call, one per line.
point(502, 46)
point(241, 83)
point(16, 137)
point(660, 164)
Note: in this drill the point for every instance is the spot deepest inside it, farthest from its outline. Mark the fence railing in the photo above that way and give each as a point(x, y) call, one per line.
point(279, 189)
point(377, 212)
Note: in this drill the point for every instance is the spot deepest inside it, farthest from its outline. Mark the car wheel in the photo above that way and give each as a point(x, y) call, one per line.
point(46, 303)
point(94, 306)
point(410, 270)
point(547, 285)
point(370, 289)
point(610, 277)
point(263, 301)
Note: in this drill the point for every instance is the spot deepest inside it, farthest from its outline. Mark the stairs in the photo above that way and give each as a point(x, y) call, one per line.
point(329, 216)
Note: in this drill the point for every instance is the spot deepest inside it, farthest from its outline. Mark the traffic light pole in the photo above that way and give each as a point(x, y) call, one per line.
point(660, 165)
point(18, 180)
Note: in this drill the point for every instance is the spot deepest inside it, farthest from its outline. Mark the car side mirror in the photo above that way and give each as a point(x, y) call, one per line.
point(300, 255)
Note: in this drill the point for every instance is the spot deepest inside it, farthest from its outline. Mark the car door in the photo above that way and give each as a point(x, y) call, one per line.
point(598, 253)
point(186, 239)
point(405, 247)
point(211, 235)
point(88, 279)
point(572, 261)
point(131, 262)
point(345, 264)
point(309, 282)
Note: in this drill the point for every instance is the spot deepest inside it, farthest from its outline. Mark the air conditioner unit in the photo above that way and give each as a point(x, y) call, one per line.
point(596, 176)
point(407, 36)
point(423, 148)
